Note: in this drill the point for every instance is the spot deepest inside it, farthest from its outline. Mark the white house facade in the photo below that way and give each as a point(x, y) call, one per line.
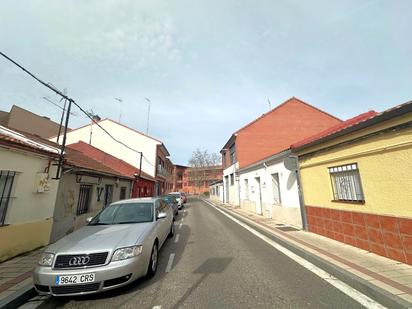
point(231, 185)
point(269, 189)
point(96, 137)
point(216, 191)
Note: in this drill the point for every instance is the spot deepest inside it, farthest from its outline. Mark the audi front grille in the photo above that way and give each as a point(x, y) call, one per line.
point(74, 289)
point(94, 259)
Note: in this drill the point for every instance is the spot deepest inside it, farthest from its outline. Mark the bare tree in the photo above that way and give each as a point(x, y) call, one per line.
point(199, 163)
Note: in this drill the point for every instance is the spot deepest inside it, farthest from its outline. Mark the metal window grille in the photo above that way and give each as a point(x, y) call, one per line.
point(346, 183)
point(108, 195)
point(6, 184)
point(84, 199)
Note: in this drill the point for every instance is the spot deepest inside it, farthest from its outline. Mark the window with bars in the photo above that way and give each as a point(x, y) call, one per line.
point(108, 195)
point(346, 183)
point(84, 199)
point(6, 185)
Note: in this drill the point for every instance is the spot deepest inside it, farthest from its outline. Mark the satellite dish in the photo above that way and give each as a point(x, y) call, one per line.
point(290, 163)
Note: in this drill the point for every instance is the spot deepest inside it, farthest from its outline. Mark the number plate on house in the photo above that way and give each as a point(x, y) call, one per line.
point(75, 279)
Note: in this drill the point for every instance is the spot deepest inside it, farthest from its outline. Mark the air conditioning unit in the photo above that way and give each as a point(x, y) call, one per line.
point(42, 183)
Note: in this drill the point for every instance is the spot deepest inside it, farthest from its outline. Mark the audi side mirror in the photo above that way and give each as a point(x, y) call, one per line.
point(88, 220)
point(161, 215)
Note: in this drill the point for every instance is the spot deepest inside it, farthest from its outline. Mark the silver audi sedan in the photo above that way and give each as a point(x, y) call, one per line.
point(119, 245)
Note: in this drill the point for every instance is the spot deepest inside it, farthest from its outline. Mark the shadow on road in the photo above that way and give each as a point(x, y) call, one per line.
point(210, 266)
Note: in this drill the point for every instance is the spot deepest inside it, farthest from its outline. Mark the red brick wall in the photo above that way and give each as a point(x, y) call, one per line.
point(384, 235)
point(147, 186)
point(215, 174)
point(277, 130)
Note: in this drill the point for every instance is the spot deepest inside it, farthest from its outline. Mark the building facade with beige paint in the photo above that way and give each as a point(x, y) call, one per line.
point(27, 192)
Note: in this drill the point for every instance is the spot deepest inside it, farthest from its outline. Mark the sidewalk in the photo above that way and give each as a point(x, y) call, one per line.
point(15, 277)
point(391, 277)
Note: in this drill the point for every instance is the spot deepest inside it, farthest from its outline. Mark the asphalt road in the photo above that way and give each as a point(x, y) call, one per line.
point(218, 264)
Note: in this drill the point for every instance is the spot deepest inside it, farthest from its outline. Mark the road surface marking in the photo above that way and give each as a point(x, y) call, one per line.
point(183, 219)
point(170, 262)
point(364, 300)
point(180, 225)
point(177, 238)
point(157, 307)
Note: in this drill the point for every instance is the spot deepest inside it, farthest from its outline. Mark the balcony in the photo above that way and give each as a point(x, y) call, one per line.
point(161, 171)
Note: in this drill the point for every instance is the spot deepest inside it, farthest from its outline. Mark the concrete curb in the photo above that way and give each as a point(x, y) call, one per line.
point(382, 296)
point(19, 297)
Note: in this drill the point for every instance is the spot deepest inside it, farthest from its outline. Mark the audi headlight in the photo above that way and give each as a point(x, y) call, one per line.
point(46, 259)
point(126, 253)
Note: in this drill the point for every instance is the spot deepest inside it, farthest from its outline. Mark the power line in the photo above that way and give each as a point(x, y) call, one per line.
point(57, 105)
point(65, 97)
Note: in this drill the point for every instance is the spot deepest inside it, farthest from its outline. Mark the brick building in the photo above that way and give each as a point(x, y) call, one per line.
point(267, 135)
point(178, 172)
point(196, 180)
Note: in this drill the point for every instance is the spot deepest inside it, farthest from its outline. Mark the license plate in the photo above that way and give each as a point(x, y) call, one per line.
point(75, 279)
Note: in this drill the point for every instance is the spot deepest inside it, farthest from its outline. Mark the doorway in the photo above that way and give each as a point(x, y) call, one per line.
point(259, 196)
point(227, 189)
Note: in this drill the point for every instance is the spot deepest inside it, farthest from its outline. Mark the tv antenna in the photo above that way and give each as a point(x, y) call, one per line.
point(120, 101)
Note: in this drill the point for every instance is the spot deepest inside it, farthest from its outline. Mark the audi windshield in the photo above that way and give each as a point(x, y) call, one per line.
point(124, 214)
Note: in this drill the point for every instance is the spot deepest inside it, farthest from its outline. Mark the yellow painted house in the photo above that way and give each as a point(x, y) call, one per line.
point(357, 182)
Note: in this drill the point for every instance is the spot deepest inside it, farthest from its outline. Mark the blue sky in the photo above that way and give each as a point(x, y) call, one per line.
point(208, 66)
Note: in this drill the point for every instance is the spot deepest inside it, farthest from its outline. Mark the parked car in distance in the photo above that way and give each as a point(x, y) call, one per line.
point(172, 201)
point(118, 246)
point(178, 197)
point(184, 197)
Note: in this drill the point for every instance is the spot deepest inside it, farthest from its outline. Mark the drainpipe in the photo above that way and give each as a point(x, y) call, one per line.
point(300, 192)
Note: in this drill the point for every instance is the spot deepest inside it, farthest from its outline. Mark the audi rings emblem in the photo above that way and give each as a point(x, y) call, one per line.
point(79, 260)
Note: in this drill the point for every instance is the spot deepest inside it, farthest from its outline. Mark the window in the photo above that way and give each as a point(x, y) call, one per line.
point(232, 151)
point(246, 189)
point(224, 159)
point(6, 185)
point(84, 199)
point(232, 179)
point(108, 195)
point(346, 183)
point(161, 206)
point(277, 200)
point(123, 193)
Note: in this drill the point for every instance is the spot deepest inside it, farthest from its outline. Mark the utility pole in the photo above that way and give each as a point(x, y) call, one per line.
point(148, 115)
